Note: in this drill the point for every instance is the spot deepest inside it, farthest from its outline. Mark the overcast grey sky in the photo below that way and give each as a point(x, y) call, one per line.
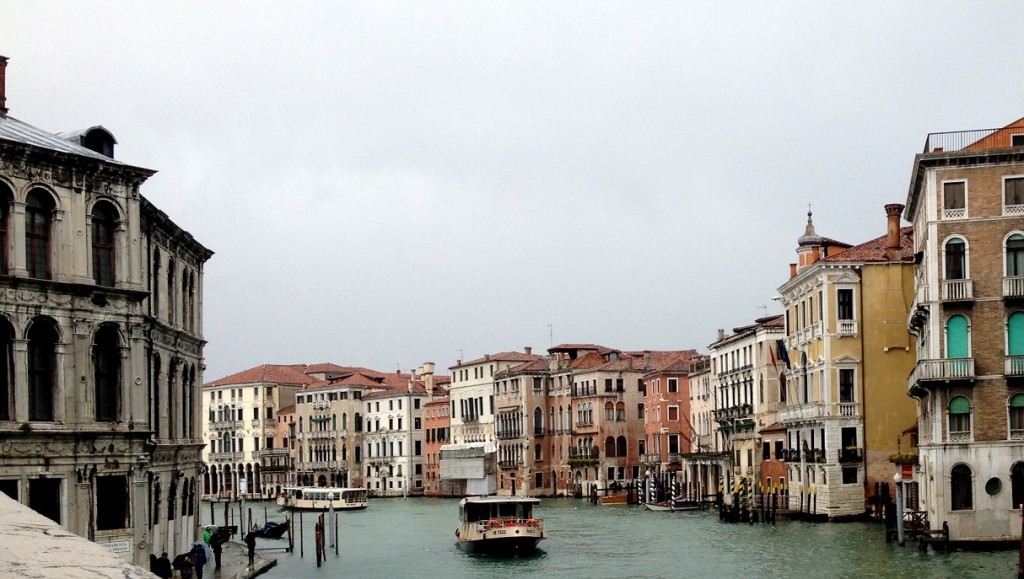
point(391, 183)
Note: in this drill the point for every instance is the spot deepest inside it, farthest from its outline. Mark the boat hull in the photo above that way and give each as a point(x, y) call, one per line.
point(503, 546)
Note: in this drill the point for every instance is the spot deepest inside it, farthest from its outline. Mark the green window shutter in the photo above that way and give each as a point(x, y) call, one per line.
point(959, 405)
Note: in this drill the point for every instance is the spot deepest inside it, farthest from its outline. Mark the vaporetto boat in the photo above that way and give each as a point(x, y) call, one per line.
point(499, 525)
point(322, 498)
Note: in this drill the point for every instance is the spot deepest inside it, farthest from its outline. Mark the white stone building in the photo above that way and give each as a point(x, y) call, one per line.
point(101, 334)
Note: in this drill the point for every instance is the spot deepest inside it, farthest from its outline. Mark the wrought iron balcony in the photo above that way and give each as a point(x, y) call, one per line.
point(852, 454)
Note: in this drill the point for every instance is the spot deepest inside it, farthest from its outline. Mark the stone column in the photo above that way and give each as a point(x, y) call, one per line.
point(20, 385)
point(17, 240)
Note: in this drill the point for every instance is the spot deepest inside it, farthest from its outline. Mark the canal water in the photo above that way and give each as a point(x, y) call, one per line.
point(415, 537)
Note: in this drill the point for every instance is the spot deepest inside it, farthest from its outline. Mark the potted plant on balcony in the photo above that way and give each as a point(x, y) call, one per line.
point(903, 458)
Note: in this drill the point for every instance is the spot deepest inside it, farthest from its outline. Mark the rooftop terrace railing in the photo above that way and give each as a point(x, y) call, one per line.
point(978, 139)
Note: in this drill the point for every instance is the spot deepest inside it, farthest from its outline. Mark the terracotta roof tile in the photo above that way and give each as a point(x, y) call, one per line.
point(500, 357)
point(267, 374)
point(875, 250)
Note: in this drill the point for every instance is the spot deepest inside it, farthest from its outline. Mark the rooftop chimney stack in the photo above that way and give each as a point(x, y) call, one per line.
point(892, 233)
point(3, 86)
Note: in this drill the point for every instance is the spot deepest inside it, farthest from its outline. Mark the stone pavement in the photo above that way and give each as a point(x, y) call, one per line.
point(234, 561)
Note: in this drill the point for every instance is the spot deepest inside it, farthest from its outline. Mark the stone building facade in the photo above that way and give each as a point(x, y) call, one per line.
point(101, 333)
point(966, 202)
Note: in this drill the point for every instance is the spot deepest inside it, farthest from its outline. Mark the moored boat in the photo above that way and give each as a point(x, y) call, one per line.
point(322, 498)
point(619, 499)
point(499, 525)
point(676, 504)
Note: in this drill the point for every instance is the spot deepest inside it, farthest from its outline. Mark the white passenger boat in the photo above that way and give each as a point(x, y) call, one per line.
point(499, 525)
point(322, 498)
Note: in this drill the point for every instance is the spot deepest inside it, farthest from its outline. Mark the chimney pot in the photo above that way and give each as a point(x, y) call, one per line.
point(892, 233)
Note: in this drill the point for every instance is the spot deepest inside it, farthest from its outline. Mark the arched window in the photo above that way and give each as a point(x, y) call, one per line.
point(1015, 255)
point(104, 223)
point(5, 215)
point(609, 411)
point(538, 421)
point(171, 288)
point(960, 491)
point(157, 408)
point(958, 345)
point(39, 208)
point(6, 370)
point(1017, 485)
point(537, 452)
point(42, 365)
point(959, 419)
point(620, 411)
point(172, 496)
point(1016, 409)
point(620, 446)
point(106, 363)
point(154, 292)
point(300, 424)
point(359, 422)
point(609, 447)
point(956, 259)
point(1015, 343)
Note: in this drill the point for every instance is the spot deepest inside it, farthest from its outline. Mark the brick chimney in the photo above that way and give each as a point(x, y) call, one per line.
point(3, 86)
point(528, 350)
point(892, 232)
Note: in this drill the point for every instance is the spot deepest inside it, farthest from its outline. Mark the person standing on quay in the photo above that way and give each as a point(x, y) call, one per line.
point(216, 544)
point(198, 558)
point(162, 567)
point(250, 541)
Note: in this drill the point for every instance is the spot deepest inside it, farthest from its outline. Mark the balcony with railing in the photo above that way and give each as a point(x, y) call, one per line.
point(814, 455)
point(321, 434)
point(847, 409)
point(320, 404)
point(957, 290)
point(1013, 287)
point(225, 456)
point(802, 412)
point(510, 463)
point(851, 454)
point(579, 457)
point(226, 425)
point(790, 455)
point(942, 370)
point(1015, 365)
point(974, 140)
point(846, 327)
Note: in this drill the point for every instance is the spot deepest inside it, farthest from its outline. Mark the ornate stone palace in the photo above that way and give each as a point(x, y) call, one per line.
point(101, 335)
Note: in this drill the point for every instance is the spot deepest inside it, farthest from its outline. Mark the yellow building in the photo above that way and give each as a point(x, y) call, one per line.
point(848, 355)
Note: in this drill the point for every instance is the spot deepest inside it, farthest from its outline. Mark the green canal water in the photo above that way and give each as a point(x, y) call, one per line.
point(415, 537)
